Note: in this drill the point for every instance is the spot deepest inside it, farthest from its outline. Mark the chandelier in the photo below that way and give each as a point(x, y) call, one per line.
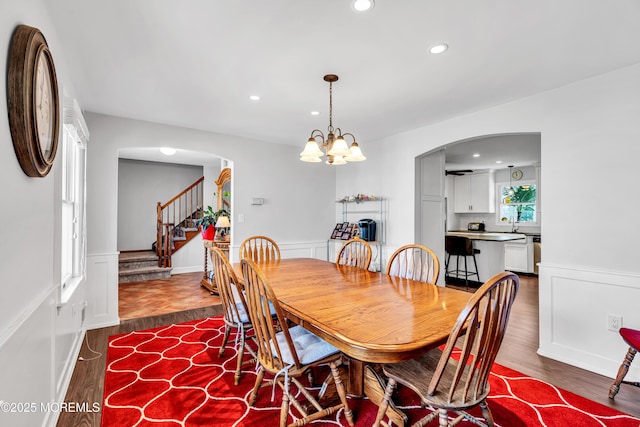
point(334, 146)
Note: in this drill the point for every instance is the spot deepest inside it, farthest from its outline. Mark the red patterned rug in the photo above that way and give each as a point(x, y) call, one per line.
point(172, 376)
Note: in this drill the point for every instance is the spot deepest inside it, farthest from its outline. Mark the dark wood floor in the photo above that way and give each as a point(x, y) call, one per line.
point(518, 352)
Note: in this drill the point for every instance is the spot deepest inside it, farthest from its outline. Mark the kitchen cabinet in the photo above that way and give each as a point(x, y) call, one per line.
point(518, 256)
point(474, 193)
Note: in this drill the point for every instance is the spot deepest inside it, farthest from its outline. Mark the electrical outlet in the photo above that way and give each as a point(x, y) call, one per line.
point(614, 323)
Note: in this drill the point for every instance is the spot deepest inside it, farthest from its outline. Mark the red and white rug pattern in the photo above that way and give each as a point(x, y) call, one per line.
point(172, 377)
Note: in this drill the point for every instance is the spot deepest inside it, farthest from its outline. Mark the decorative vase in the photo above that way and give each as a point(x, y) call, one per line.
point(209, 232)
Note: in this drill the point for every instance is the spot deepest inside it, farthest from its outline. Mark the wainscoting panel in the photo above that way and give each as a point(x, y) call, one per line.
point(102, 290)
point(26, 365)
point(574, 307)
point(313, 249)
point(303, 250)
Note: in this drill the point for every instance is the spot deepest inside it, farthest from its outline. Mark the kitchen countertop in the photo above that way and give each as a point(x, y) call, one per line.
point(491, 236)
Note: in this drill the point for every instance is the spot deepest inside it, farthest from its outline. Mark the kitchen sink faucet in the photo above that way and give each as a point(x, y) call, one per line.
point(514, 227)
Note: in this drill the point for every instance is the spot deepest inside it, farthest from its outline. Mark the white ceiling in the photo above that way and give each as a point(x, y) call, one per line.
point(194, 63)
point(514, 150)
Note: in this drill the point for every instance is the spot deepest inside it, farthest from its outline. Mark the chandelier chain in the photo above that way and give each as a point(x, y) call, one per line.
point(331, 107)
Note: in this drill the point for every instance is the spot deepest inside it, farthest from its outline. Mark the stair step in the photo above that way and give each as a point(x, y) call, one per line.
point(143, 273)
point(136, 260)
point(138, 256)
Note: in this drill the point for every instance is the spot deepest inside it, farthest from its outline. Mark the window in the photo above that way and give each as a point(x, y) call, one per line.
point(518, 203)
point(72, 231)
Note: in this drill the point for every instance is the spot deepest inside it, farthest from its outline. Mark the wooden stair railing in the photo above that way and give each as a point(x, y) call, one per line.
point(176, 222)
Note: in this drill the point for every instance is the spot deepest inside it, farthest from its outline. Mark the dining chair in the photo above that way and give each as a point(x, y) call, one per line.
point(355, 253)
point(260, 249)
point(416, 262)
point(234, 306)
point(457, 378)
point(632, 338)
point(288, 353)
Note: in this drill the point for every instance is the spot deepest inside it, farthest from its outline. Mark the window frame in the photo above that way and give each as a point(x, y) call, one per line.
point(499, 204)
point(72, 201)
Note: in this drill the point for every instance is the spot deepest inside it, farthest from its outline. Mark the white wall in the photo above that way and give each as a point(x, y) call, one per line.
point(38, 340)
point(141, 185)
point(298, 209)
point(589, 133)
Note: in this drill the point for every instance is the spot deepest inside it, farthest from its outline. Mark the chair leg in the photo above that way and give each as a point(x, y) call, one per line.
point(443, 415)
point(227, 331)
point(341, 392)
point(284, 409)
point(384, 405)
point(466, 274)
point(622, 372)
point(426, 420)
point(236, 377)
point(486, 413)
point(476, 265)
point(256, 387)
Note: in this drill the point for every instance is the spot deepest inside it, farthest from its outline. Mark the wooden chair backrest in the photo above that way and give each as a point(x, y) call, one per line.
point(260, 249)
point(355, 253)
point(259, 295)
point(229, 289)
point(481, 324)
point(416, 262)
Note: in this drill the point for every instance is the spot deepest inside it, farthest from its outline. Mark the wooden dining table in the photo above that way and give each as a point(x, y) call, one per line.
point(370, 317)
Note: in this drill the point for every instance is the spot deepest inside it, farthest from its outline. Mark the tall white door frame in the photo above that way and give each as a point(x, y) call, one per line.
point(430, 204)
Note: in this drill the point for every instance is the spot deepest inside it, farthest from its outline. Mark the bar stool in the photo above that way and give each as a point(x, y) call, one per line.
point(632, 338)
point(460, 246)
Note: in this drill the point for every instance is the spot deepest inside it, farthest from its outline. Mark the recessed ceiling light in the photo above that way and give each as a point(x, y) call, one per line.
point(254, 98)
point(168, 151)
point(476, 155)
point(498, 161)
point(362, 5)
point(439, 48)
point(315, 113)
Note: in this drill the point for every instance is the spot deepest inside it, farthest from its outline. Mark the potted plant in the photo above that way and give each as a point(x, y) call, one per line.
point(208, 221)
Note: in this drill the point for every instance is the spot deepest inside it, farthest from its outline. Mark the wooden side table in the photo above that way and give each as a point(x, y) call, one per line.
point(210, 285)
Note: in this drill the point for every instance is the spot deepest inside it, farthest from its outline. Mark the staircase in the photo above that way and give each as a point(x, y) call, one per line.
point(140, 265)
point(176, 221)
point(185, 231)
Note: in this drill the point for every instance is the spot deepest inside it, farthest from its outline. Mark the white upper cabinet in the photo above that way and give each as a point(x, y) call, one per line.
point(474, 193)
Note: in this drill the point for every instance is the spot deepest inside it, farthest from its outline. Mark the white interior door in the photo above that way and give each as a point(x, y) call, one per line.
point(430, 205)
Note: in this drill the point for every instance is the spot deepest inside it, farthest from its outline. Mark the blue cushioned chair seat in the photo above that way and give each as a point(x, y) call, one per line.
point(310, 348)
point(244, 316)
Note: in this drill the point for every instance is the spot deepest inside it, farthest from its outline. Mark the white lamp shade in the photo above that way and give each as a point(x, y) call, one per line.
point(223, 222)
point(339, 148)
point(338, 160)
point(311, 149)
point(310, 159)
point(356, 154)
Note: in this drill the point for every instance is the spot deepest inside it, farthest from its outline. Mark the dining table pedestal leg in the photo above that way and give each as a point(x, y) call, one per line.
point(367, 379)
